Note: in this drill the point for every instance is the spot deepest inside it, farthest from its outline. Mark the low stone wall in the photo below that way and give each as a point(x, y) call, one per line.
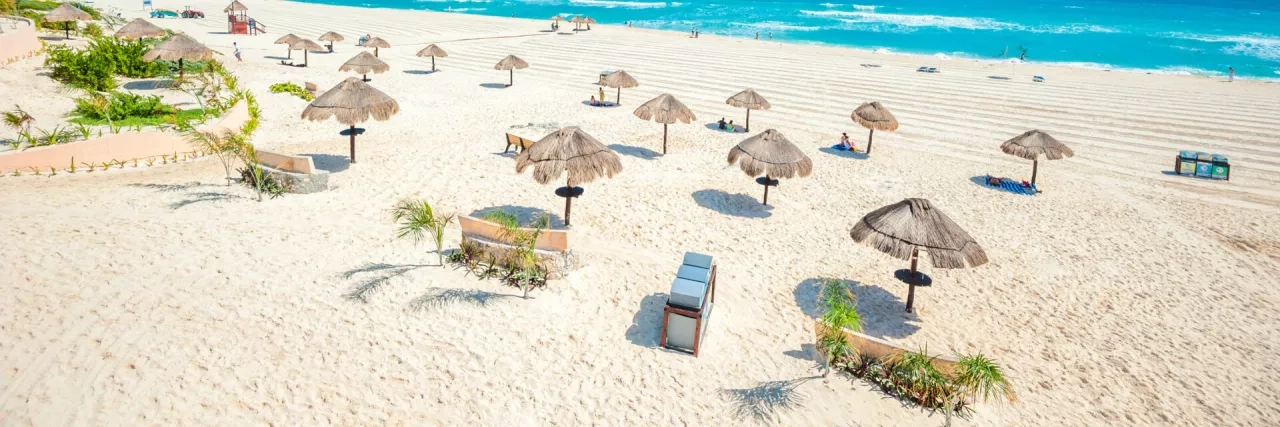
point(558, 264)
point(552, 247)
point(19, 39)
point(881, 349)
point(123, 146)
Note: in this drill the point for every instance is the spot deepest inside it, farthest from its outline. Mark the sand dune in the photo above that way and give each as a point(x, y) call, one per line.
point(1122, 295)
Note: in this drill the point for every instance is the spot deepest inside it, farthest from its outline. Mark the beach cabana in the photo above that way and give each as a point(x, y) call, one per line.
point(577, 22)
point(511, 63)
point(363, 64)
point(873, 116)
point(67, 15)
point(750, 100)
point(331, 37)
point(1033, 144)
point(588, 20)
point(773, 155)
point(571, 152)
point(375, 43)
point(904, 228)
point(137, 29)
point(178, 48)
point(288, 40)
point(305, 46)
point(350, 103)
point(619, 79)
point(665, 109)
point(433, 51)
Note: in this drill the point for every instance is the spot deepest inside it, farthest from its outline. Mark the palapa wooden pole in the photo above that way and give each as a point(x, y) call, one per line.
point(766, 190)
point(568, 200)
point(353, 143)
point(433, 63)
point(664, 138)
point(304, 58)
point(180, 72)
point(869, 136)
point(1035, 166)
point(288, 53)
point(911, 289)
point(619, 97)
point(748, 120)
point(512, 81)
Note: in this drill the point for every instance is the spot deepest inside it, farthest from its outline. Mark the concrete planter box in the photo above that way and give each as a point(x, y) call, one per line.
point(552, 247)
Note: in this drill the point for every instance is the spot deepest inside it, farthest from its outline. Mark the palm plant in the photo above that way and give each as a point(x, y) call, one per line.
point(914, 374)
point(419, 221)
point(221, 144)
point(18, 119)
point(979, 378)
point(839, 312)
point(524, 240)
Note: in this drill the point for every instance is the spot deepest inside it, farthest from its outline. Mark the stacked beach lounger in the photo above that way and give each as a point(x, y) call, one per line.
point(688, 308)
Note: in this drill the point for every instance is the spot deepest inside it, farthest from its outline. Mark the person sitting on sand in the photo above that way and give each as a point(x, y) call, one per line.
point(721, 122)
point(844, 141)
point(732, 128)
point(594, 103)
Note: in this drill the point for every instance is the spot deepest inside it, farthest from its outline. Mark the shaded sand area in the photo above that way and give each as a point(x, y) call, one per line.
point(1122, 295)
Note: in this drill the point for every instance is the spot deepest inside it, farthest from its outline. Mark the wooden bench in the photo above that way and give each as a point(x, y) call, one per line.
point(521, 144)
point(311, 87)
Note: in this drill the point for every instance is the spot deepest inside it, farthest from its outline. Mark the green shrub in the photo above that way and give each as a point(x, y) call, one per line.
point(93, 13)
point(39, 5)
point(125, 57)
point(122, 105)
point(91, 30)
point(77, 68)
point(292, 89)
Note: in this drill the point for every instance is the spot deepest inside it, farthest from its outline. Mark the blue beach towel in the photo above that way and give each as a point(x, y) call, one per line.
point(840, 147)
point(1017, 188)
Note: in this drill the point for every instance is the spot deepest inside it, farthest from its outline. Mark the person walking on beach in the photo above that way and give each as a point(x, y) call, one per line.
point(237, 46)
point(1231, 74)
point(771, 35)
point(757, 35)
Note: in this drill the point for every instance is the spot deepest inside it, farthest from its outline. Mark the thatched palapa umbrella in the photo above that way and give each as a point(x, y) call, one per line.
point(750, 100)
point(364, 63)
point(572, 152)
point(178, 48)
point(665, 109)
point(305, 46)
point(619, 79)
point(375, 43)
point(904, 228)
point(139, 28)
point(331, 37)
point(873, 116)
point(511, 63)
point(588, 20)
point(288, 40)
point(770, 154)
point(433, 51)
point(577, 22)
point(352, 102)
point(1032, 144)
point(67, 15)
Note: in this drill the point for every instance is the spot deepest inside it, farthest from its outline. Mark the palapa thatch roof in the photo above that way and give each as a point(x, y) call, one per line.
point(331, 37)
point(287, 39)
point(748, 99)
point(511, 62)
point(899, 228)
point(569, 150)
point(619, 79)
point(180, 46)
point(1034, 143)
point(66, 13)
point(872, 115)
point(665, 109)
point(236, 6)
point(139, 28)
point(576, 19)
point(304, 44)
point(377, 42)
point(770, 153)
point(365, 63)
point(557, 18)
point(352, 102)
point(433, 50)
point(588, 20)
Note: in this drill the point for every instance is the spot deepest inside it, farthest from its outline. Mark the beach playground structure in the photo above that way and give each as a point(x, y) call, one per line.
point(238, 19)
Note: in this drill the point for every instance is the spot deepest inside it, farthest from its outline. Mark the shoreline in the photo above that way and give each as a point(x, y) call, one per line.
point(944, 57)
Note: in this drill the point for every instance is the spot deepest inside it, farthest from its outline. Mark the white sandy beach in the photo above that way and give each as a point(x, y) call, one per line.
point(1122, 295)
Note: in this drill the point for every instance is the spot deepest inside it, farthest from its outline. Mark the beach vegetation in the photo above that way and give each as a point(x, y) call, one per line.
point(418, 221)
point(294, 89)
point(91, 30)
point(524, 269)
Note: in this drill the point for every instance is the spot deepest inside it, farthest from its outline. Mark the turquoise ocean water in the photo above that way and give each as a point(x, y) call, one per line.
point(1200, 37)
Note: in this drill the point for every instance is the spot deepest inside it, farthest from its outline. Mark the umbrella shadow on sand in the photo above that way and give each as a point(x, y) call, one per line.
point(638, 152)
point(732, 204)
point(494, 85)
point(421, 72)
point(883, 313)
point(646, 325)
point(330, 163)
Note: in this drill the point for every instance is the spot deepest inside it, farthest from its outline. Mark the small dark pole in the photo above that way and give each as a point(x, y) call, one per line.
point(180, 72)
point(749, 122)
point(911, 292)
point(619, 97)
point(766, 189)
point(364, 77)
point(869, 136)
point(353, 143)
point(433, 63)
point(305, 60)
point(512, 82)
point(1035, 165)
point(331, 47)
point(375, 52)
point(288, 53)
point(664, 138)
point(568, 201)
point(67, 26)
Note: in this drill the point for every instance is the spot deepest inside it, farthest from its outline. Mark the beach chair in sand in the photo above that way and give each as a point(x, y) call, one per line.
point(521, 144)
point(1038, 79)
point(688, 308)
point(933, 69)
point(923, 69)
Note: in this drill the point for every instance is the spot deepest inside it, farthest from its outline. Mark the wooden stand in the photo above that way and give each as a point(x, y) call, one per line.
point(667, 310)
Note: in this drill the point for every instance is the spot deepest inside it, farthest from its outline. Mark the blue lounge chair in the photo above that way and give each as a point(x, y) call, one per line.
point(933, 69)
point(922, 69)
point(1038, 79)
